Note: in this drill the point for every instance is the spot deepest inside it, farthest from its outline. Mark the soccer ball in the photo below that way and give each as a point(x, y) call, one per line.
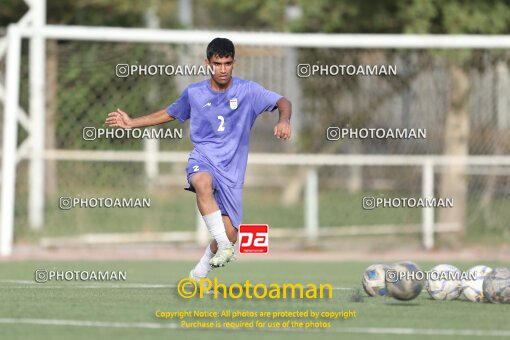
point(443, 282)
point(373, 280)
point(403, 281)
point(473, 289)
point(496, 286)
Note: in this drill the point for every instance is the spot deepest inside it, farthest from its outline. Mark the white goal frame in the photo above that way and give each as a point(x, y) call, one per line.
point(33, 27)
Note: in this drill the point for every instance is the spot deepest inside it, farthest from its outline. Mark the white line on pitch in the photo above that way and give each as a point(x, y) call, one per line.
point(32, 284)
point(424, 331)
point(95, 286)
point(81, 323)
point(363, 330)
point(23, 282)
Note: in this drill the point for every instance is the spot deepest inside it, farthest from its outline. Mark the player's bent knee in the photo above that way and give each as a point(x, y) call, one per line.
point(202, 182)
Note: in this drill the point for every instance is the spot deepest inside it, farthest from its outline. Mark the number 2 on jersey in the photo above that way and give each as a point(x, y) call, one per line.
point(222, 123)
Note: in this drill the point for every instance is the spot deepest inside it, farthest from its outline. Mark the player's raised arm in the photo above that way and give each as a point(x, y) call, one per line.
point(282, 129)
point(121, 119)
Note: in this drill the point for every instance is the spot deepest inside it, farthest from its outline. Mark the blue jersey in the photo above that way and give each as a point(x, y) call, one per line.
point(221, 122)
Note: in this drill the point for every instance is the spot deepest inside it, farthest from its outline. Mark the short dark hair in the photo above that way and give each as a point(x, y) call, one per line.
point(222, 47)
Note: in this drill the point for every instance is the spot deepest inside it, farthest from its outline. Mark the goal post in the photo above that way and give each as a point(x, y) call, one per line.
point(10, 128)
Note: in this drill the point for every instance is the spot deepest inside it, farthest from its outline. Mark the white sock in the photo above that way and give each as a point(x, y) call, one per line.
point(215, 225)
point(203, 267)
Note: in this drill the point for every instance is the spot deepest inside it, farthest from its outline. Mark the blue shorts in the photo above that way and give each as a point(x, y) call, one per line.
point(229, 200)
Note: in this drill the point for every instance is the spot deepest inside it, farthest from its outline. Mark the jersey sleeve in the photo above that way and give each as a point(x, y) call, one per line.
point(263, 100)
point(181, 108)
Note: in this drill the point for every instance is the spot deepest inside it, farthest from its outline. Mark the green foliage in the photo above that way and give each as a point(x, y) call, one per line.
point(11, 11)
point(417, 16)
point(244, 15)
point(476, 17)
point(329, 16)
point(408, 16)
point(118, 13)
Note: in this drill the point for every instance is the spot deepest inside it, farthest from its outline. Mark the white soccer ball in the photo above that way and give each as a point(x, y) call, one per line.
point(473, 289)
point(374, 280)
point(444, 282)
point(496, 286)
point(403, 281)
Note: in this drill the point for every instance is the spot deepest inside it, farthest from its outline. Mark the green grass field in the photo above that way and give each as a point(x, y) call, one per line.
point(115, 310)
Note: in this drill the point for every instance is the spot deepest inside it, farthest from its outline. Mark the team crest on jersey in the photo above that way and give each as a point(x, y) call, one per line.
point(233, 103)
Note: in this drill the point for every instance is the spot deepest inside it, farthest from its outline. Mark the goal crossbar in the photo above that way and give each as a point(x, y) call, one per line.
point(306, 40)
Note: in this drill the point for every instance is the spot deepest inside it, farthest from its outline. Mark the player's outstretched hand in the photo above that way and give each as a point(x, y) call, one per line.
point(282, 129)
point(118, 119)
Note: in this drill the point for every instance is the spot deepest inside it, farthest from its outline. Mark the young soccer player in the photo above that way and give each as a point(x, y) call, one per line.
point(222, 111)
